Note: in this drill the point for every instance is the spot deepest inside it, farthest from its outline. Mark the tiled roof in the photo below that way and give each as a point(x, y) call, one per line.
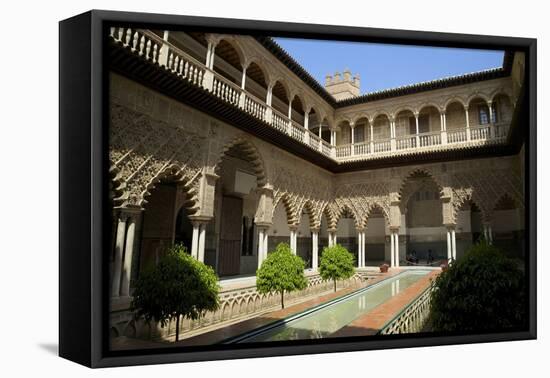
point(446, 82)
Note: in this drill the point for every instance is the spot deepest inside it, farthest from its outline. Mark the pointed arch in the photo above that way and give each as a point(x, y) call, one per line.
point(116, 186)
point(505, 202)
point(468, 200)
point(374, 207)
point(330, 215)
point(252, 155)
point(309, 208)
point(346, 209)
point(289, 207)
point(415, 173)
point(173, 173)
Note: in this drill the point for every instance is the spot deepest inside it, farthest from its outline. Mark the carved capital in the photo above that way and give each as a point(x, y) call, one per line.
point(127, 214)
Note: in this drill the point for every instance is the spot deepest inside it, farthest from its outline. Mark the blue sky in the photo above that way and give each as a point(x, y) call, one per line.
point(383, 66)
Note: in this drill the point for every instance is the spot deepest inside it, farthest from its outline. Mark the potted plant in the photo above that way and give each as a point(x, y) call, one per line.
point(384, 268)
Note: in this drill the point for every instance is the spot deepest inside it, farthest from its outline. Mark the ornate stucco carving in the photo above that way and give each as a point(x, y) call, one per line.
point(182, 145)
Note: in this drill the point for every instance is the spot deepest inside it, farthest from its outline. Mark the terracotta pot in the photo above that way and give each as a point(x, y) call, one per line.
point(384, 268)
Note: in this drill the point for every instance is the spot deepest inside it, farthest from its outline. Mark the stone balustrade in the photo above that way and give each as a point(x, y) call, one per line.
point(159, 51)
point(412, 318)
point(235, 304)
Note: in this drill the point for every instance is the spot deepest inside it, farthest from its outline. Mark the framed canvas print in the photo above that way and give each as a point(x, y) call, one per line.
point(234, 188)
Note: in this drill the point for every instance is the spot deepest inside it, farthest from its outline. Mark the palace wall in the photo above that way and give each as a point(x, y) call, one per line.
point(156, 140)
point(153, 136)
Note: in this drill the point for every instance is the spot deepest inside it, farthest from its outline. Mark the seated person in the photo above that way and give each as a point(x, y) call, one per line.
point(430, 257)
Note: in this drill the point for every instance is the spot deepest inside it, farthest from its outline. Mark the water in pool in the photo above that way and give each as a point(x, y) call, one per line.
point(327, 319)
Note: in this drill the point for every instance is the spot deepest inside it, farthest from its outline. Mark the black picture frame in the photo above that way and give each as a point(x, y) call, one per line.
point(84, 216)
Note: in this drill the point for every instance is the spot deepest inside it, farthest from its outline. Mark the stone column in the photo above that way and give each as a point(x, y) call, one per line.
point(449, 242)
point(261, 239)
point(393, 144)
point(416, 115)
point(315, 248)
point(453, 243)
point(361, 248)
point(352, 130)
point(266, 244)
point(268, 99)
point(331, 237)
point(128, 255)
point(293, 244)
point(491, 125)
point(212, 55)
point(208, 79)
point(289, 130)
point(443, 127)
point(396, 238)
point(163, 53)
point(371, 136)
point(392, 250)
point(243, 78)
point(468, 133)
point(242, 96)
point(202, 239)
point(119, 253)
point(195, 240)
point(198, 241)
point(487, 232)
point(208, 53)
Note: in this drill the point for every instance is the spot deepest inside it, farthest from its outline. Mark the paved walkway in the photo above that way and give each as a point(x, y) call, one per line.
point(372, 322)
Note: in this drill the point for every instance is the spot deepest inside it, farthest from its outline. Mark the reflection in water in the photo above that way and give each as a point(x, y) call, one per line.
point(327, 320)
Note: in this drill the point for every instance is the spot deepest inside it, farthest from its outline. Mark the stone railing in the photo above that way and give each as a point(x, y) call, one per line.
point(235, 305)
point(412, 318)
point(381, 146)
point(153, 48)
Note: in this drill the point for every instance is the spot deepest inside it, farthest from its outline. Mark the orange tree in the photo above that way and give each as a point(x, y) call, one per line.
point(282, 271)
point(336, 264)
point(179, 285)
point(482, 291)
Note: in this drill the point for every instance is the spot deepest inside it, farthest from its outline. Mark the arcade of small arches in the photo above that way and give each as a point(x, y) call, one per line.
point(236, 69)
point(238, 60)
point(452, 120)
point(236, 217)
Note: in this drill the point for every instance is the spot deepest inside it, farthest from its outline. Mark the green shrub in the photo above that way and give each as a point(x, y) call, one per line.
point(179, 285)
point(336, 264)
point(282, 271)
point(481, 292)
